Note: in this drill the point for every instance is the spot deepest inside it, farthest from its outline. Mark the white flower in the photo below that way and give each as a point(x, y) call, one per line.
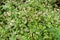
point(12, 22)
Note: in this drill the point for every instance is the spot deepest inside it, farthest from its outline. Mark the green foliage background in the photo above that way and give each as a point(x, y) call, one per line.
point(29, 20)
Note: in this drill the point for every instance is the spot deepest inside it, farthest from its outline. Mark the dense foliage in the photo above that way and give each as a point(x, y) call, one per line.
point(29, 20)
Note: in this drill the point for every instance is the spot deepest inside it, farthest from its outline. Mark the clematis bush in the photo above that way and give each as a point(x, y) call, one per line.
point(29, 20)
